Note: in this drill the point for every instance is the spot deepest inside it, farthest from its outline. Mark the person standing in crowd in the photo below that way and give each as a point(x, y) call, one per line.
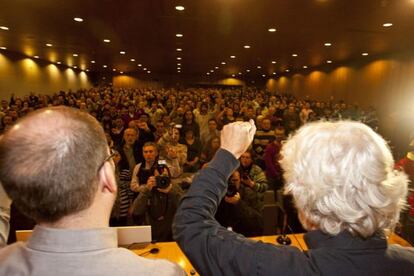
point(56, 166)
point(252, 175)
point(347, 192)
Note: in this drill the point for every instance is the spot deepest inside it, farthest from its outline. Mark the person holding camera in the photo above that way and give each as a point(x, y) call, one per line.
point(241, 208)
point(158, 198)
point(252, 175)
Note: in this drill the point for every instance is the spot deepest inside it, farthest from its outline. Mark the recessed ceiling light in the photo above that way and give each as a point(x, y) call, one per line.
point(179, 8)
point(208, 73)
point(87, 70)
point(145, 69)
point(75, 66)
point(273, 62)
point(179, 35)
point(106, 40)
point(178, 68)
point(114, 69)
point(247, 70)
point(4, 28)
point(139, 65)
point(240, 73)
point(232, 56)
point(132, 59)
point(78, 19)
point(304, 67)
point(149, 72)
point(178, 64)
point(3, 48)
point(212, 71)
point(272, 30)
point(233, 75)
point(364, 54)
point(294, 55)
point(49, 44)
point(386, 25)
point(36, 56)
point(58, 62)
point(329, 61)
point(246, 46)
point(121, 72)
point(223, 63)
point(178, 58)
point(287, 70)
point(216, 67)
point(259, 67)
point(92, 61)
point(104, 66)
point(75, 55)
point(178, 71)
point(122, 52)
point(274, 73)
point(179, 49)
point(327, 44)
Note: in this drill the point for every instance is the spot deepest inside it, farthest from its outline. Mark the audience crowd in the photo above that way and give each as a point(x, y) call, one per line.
point(161, 138)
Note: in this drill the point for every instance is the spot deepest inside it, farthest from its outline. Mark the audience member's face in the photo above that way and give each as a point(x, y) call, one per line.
point(188, 115)
point(130, 136)
point(266, 124)
point(7, 120)
point(150, 153)
point(235, 179)
point(246, 159)
point(160, 127)
point(167, 120)
point(215, 143)
point(212, 125)
point(175, 135)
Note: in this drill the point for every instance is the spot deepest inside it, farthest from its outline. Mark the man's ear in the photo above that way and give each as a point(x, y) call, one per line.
point(107, 178)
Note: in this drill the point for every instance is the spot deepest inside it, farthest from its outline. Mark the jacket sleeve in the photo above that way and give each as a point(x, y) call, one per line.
point(140, 203)
point(212, 249)
point(260, 179)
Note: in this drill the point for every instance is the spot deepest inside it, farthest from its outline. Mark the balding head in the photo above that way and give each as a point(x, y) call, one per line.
point(49, 162)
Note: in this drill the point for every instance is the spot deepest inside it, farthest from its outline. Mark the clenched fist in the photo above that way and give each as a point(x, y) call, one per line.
point(237, 137)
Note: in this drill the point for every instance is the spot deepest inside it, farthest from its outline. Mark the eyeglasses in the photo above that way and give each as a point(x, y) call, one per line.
point(112, 155)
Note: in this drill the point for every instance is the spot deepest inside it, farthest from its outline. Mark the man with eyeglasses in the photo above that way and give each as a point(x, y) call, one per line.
point(56, 167)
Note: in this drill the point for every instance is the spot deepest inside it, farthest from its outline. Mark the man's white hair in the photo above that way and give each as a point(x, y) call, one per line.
point(341, 176)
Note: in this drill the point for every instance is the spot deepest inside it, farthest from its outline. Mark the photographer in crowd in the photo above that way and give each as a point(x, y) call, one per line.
point(158, 198)
point(251, 174)
point(241, 209)
point(347, 192)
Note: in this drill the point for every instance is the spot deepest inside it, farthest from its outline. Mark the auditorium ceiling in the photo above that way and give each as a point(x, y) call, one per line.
point(219, 38)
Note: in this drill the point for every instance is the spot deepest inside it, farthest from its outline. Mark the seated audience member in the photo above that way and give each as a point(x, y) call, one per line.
point(130, 151)
point(160, 130)
point(56, 167)
point(5, 203)
point(210, 150)
point(158, 201)
point(251, 174)
point(271, 158)
point(193, 151)
point(347, 193)
point(241, 209)
point(124, 196)
point(406, 164)
point(189, 123)
point(212, 132)
point(143, 171)
point(264, 136)
point(117, 131)
point(171, 141)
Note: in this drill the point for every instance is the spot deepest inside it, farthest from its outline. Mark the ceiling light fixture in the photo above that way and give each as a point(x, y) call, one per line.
point(121, 72)
point(145, 69)
point(122, 52)
point(247, 70)
point(263, 75)
point(132, 59)
point(75, 55)
point(178, 58)
point(179, 8)
point(139, 65)
point(106, 40)
point(364, 54)
point(233, 75)
point(36, 56)
point(114, 70)
point(259, 67)
point(58, 62)
point(178, 64)
point(223, 63)
point(304, 67)
point(294, 55)
point(4, 28)
point(273, 62)
point(104, 66)
point(208, 73)
point(49, 44)
point(287, 70)
point(179, 49)
point(179, 35)
point(246, 46)
point(3, 48)
point(75, 67)
point(92, 61)
point(327, 44)
point(272, 30)
point(216, 67)
point(386, 25)
point(232, 56)
point(274, 73)
point(78, 19)
point(329, 61)
point(149, 72)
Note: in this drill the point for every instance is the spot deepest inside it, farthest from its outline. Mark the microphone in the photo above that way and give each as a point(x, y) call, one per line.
point(283, 239)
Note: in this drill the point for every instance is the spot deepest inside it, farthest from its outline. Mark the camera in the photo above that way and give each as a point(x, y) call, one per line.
point(231, 190)
point(245, 176)
point(163, 180)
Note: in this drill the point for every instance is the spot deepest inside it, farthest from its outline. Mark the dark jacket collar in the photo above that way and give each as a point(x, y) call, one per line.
point(318, 239)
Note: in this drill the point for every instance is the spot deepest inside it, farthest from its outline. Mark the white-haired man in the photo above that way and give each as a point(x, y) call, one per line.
point(56, 167)
point(342, 180)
